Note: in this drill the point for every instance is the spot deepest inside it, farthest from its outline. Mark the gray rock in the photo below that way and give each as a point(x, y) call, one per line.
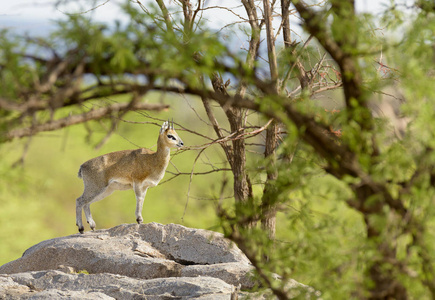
point(96, 254)
point(111, 261)
point(58, 285)
point(147, 261)
point(232, 273)
point(186, 245)
point(141, 251)
point(57, 294)
point(9, 289)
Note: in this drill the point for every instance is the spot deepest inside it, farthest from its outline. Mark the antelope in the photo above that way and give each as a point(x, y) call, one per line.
point(137, 169)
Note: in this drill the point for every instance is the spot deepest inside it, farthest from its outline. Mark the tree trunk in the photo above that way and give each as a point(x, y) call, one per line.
point(268, 205)
point(268, 209)
point(236, 155)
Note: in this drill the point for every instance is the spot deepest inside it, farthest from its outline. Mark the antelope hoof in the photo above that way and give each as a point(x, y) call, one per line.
point(92, 225)
point(81, 230)
point(139, 220)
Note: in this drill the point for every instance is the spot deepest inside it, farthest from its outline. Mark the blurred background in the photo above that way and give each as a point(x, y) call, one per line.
point(38, 175)
point(39, 182)
point(37, 196)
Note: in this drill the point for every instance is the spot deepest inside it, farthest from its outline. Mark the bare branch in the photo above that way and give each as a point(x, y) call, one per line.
point(166, 15)
point(352, 85)
point(231, 137)
point(175, 175)
point(77, 119)
point(83, 12)
point(190, 183)
point(270, 41)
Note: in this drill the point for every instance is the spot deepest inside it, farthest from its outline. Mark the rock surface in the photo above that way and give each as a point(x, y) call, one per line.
point(58, 285)
point(130, 261)
point(147, 261)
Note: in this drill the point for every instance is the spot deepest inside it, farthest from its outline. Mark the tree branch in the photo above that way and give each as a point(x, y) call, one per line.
point(77, 119)
point(351, 75)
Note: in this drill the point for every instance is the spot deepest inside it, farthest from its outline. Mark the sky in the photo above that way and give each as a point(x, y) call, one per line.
point(34, 16)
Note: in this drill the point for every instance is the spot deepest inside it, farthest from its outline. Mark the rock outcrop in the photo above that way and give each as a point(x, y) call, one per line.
point(147, 261)
point(59, 285)
point(151, 261)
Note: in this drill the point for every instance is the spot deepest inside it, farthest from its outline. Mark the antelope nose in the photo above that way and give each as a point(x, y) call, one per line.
point(181, 143)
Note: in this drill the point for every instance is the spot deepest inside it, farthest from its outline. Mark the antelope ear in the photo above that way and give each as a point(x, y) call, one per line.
point(164, 127)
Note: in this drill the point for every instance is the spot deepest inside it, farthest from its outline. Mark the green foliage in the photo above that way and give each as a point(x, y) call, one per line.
point(14, 72)
point(345, 219)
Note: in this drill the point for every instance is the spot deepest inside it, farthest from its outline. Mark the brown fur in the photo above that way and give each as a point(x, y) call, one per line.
point(137, 169)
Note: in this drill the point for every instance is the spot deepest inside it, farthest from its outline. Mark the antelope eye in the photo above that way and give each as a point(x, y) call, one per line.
point(170, 136)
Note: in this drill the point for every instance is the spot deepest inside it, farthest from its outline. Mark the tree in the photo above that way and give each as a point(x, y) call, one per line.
point(380, 184)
